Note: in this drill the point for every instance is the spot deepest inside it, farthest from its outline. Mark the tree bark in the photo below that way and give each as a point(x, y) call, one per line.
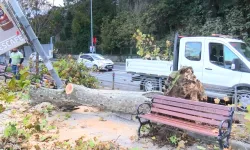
point(113, 100)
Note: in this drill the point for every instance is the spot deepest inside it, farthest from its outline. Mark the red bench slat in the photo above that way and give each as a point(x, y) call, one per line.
point(189, 112)
point(196, 103)
point(193, 107)
point(185, 116)
point(188, 123)
point(181, 125)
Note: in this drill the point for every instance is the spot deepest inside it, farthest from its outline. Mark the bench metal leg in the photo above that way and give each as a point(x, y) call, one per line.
point(142, 124)
point(226, 145)
point(220, 143)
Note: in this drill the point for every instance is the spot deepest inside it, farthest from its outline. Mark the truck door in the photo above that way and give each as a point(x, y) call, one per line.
point(217, 70)
point(191, 54)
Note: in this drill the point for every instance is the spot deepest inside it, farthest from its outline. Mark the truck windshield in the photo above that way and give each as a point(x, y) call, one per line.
point(243, 48)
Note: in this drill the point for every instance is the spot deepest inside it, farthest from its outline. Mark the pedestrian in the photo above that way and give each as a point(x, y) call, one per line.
point(15, 61)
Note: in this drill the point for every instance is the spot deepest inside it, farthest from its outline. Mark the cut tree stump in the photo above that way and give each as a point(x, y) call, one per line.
point(113, 100)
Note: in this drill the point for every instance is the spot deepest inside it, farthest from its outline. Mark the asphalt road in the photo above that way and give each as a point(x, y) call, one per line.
point(122, 80)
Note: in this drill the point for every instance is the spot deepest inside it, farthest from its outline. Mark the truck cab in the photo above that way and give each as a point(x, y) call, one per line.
point(218, 62)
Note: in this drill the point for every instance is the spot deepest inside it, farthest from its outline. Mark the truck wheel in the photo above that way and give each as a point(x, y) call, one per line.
point(244, 100)
point(244, 97)
point(150, 84)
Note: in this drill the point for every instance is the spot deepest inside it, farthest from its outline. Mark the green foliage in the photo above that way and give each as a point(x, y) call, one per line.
point(147, 47)
point(19, 85)
point(10, 130)
point(6, 96)
point(73, 72)
point(174, 140)
point(247, 117)
point(67, 116)
point(115, 22)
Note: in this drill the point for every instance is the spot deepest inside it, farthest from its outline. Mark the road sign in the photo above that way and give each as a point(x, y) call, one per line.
point(10, 36)
point(92, 49)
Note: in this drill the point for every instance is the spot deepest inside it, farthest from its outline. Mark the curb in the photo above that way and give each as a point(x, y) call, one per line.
point(119, 63)
point(238, 145)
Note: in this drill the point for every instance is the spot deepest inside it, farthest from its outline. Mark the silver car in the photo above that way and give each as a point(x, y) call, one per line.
point(95, 61)
point(33, 57)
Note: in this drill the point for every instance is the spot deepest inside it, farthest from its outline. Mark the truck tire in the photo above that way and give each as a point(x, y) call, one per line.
point(150, 84)
point(243, 97)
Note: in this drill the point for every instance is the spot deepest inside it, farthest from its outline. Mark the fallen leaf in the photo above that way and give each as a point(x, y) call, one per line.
point(2, 109)
point(102, 119)
point(215, 131)
point(132, 138)
point(226, 99)
point(181, 144)
point(217, 101)
point(37, 147)
point(153, 138)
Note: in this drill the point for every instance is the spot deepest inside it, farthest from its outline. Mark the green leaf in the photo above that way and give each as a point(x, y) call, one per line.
point(248, 108)
point(26, 120)
point(200, 147)
point(91, 144)
point(12, 84)
point(24, 76)
point(10, 130)
point(9, 98)
point(247, 117)
point(216, 147)
point(43, 123)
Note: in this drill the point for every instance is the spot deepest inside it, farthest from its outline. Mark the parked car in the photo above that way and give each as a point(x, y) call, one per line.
point(95, 61)
point(33, 57)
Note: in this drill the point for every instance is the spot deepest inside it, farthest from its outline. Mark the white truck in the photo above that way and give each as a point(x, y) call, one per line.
point(218, 61)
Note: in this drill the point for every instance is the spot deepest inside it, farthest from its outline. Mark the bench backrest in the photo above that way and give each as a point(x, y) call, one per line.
point(208, 113)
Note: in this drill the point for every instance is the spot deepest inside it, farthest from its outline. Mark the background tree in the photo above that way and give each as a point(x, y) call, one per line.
point(116, 21)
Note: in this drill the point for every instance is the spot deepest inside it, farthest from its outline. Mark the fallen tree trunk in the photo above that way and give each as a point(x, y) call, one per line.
point(113, 100)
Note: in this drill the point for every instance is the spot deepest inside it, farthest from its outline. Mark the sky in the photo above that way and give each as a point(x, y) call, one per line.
point(57, 2)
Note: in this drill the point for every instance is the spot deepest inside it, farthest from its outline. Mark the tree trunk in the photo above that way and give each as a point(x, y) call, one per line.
point(113, 100)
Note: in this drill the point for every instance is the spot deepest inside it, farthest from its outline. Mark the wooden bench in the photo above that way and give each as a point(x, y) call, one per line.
point(6, 75)
point(198, 117)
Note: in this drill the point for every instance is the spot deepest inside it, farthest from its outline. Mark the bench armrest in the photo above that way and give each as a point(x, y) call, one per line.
point(224, 134)
point(141, 110)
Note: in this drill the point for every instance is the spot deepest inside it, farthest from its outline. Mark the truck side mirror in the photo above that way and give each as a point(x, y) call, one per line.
point(236, 64)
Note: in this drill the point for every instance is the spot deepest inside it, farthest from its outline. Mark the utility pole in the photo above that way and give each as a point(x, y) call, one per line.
point(34, 41)
point(91, 26)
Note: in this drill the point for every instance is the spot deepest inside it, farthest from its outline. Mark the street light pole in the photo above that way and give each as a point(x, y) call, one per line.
point(91, 26)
